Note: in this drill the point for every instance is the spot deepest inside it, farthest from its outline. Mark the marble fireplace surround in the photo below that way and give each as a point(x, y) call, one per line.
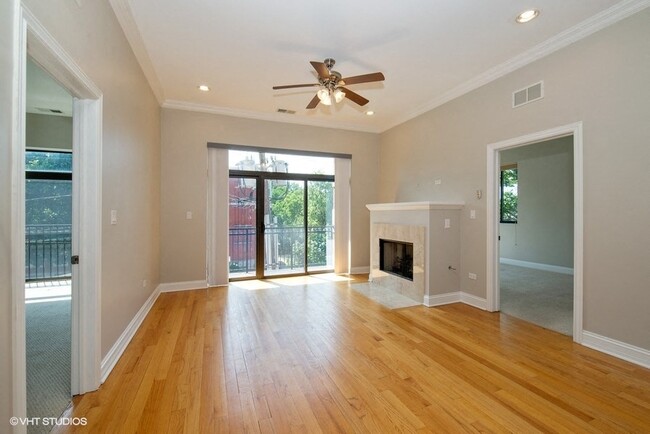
point(404, 233)
point(433, 228)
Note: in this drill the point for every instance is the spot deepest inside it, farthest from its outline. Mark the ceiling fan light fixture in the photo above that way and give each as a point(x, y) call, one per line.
point(204, 88)
point(527, 16)
point(339, 95)
point(370, 113)
point(324, 96)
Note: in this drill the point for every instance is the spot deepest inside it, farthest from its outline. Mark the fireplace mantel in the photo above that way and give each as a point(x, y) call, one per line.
point(414, 206)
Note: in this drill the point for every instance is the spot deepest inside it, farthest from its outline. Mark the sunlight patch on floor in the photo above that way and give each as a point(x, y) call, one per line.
point(253, 285)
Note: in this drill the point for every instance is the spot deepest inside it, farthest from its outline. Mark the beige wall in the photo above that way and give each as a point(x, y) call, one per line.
point(131, 154)
point(601, 81)
point(7, 49)
point(184, 180)
point(46, 131)
point(544, 229)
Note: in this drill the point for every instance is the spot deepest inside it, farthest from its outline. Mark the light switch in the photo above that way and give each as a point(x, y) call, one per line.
point(472, 213)
point(437, 181)
point(113, 216)
point(447, 223)
point(188, 215)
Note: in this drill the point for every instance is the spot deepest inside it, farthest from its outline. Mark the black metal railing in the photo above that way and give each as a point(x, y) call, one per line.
point(48, 249)
point(284, 247)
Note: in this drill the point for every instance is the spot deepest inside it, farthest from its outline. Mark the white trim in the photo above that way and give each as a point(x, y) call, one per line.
point(118, 348)
point(360, 270)
point(19, 356)
point(455, 297)
point(183, 286)
point(441, 299)
point(637, 355)
point(492, 269)
point(580, 31)
point(537, 266)
point(473, 300)
point(271, 117)
point(124, 16)
point(414, 206)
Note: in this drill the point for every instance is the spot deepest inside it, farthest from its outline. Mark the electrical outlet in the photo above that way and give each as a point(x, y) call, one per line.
point(472, 276)
point(144, 283)
point(472, 214)
point(437, 181)
point(447, 223)
point(188, 215)
point(113, 216)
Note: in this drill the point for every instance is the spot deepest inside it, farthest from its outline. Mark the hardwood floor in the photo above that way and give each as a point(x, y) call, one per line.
point(311, 355)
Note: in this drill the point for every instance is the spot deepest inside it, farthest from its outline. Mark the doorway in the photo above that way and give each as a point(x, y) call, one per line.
point(48, 245)
point(572, 133)
point(85, 313)
point(536, 233)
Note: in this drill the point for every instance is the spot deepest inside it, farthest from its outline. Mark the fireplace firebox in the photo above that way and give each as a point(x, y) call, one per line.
point(396, 257)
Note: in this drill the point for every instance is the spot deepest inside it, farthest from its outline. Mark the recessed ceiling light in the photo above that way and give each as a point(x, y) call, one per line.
point(528, 15)
point(370, 113)
point(204, 88)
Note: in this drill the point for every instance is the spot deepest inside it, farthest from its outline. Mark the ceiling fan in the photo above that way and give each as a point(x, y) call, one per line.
point(331, 85)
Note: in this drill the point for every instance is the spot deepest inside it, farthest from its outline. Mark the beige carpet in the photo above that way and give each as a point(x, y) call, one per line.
point(48, 360)
point(541, 297)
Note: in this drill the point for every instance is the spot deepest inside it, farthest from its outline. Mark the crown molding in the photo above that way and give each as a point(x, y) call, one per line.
point(580, 31)
point(124, 16)
point(271, 117)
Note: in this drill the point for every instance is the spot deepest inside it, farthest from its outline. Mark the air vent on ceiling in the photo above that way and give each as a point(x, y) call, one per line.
point(286, 111)
point(528, 94)
point(46, 110)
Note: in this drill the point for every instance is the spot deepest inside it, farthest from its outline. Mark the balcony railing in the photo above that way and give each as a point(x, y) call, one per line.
point(284, 247)
point(48, 249)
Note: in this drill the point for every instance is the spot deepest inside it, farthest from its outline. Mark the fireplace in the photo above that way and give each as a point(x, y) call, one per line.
point(396, 258)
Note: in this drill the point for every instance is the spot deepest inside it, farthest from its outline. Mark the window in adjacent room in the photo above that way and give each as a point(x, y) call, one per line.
point(508, 194)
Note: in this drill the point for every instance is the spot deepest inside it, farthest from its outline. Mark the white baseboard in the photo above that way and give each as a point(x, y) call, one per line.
point(537, 266)
point(122, 342)
point(637, 355)
point(360, 270)
point(441, 299)
point(455, 297)
point(182, 286)
point(472, 300)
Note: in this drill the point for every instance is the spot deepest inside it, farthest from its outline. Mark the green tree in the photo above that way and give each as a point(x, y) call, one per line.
point(509, 197)
point(287, 205)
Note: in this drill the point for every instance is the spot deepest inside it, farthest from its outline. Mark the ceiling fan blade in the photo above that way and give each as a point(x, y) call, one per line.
point(292, 86)
point(354, 97)
point(313, 103)
point(322, 70)
point(365, 78)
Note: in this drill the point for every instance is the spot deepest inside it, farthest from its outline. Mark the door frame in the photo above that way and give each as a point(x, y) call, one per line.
point(492, 197)
point(34, 40)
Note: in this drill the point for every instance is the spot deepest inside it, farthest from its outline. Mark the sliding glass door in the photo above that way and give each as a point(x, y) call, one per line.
point(284, 227)
point(281, 214)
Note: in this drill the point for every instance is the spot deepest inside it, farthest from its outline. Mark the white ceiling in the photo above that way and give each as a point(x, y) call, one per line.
point(429, 51)
point(44, 94)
